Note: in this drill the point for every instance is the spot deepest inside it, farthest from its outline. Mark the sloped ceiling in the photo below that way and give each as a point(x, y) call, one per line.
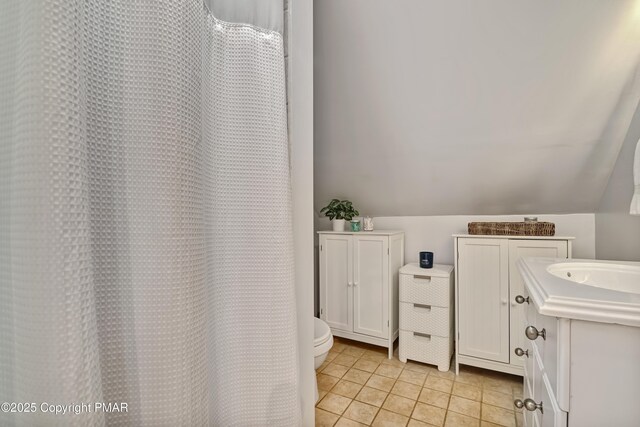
point(472, 107)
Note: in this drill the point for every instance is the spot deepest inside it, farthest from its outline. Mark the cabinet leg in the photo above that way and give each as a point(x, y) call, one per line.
point(443, 368)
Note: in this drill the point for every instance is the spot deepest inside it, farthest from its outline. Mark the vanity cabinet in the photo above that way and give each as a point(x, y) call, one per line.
point(578, 373)
point(359, 284)
point(489, 289)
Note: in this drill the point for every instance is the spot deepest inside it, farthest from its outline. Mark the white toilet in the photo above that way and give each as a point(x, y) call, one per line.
point(322, 343)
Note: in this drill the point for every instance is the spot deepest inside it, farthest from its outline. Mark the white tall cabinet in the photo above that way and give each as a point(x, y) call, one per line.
point(359, 284)
point(488, 312)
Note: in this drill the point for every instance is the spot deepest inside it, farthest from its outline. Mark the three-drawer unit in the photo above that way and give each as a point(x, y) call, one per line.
point(426, 314)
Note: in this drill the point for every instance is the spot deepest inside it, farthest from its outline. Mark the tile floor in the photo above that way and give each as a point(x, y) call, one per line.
point(359, 385)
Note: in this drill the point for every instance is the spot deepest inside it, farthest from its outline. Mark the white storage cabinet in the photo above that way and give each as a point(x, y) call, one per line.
point(426, 314)
point(359, 284)
point(488, 297)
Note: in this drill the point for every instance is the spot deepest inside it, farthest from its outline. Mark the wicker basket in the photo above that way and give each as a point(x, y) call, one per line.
point(513, 228)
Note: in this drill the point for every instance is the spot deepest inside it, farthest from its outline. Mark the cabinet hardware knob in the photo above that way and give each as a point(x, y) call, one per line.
point(520, 352)
point(528, 404)
point(349, 284)
point(521, 300)
point(533, 333)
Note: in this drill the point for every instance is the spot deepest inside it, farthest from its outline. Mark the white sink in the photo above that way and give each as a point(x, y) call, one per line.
point(584, 289)
point(616, 277)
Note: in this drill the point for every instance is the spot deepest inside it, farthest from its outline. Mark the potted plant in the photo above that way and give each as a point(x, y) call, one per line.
point(338, 211)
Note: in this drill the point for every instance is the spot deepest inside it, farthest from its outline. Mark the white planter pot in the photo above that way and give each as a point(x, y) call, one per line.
point(338, 224)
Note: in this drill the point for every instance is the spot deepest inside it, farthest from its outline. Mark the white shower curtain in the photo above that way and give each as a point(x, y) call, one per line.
point(145, 231)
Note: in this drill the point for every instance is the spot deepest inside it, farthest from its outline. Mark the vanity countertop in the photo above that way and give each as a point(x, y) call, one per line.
point(559, 297)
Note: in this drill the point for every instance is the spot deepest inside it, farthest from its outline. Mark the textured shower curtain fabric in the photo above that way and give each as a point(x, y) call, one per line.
point(145, 230)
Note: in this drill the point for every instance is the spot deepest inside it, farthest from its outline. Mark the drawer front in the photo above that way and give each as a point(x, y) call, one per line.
point(427, 319)
point(431, 349)
point(552, 415)
point(425, 290)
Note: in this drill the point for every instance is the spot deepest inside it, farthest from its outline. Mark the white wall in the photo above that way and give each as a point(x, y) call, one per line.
point(433, 233)
point(445, 107)
point(617, 232)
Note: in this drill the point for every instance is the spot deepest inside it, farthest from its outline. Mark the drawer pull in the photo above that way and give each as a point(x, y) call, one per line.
point(427, 307)
point(520, 352)
point(521, 300)
point(427, 278)
point(533, 333)
point(418, 334)
point(528, 404)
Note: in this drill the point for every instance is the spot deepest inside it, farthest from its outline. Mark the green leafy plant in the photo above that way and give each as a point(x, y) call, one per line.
point(340, 209)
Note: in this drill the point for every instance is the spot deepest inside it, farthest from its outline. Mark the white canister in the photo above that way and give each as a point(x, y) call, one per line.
point(367, 223)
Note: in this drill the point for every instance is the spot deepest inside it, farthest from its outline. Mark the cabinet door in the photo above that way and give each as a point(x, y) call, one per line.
point(336, 278)
point(517, 250)
point(371, 285)
point(483, 293)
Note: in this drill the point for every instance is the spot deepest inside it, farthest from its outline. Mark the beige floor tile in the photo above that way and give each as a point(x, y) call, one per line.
point(440, 384)
point(413, 377)
point(470, 379)
point(499, 388)
point(325, 419)
point(394, 362)
point(346, 389)
point(488, 424)
point(450, 375)
point(381, 383)
point(335, 370)
point(399, 405)
point(498, 399)
point(407, 390)
point(321, 394)
point(338, 347)
point(457, 420)
point(467, 391)
point(346, 422)
point(372, 396)
point(498, 416)
point(345, 360)
point(434, 398)
point(429, 414)
point(361, 412)
point(375, 356)
point(354, 351)
point(366, 365)
point(389, 419)
point(418, 367)
point(416, 423)
point(326, 382)
point(357, 376)
point(464, 406)
point(334, 403)
point(330, 356)
point(389, 371)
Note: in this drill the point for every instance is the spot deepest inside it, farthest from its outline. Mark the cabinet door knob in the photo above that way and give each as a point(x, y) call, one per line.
point(521, 300)
point(520, 352)
point(349, 284)
point(528, 404)
point(533, 333)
